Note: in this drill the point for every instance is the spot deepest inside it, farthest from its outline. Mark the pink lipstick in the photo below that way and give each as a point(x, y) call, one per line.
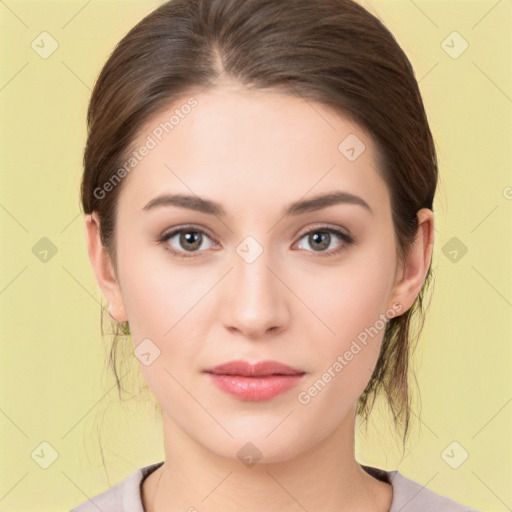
point(258, 382)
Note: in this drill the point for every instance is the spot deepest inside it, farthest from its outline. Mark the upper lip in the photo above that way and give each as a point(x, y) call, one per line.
point(259, 369)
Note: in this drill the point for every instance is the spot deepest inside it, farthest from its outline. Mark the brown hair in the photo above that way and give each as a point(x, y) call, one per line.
point(330, 51)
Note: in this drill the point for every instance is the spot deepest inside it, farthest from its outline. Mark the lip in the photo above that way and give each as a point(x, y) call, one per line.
point(254, 382)
point(260, 369)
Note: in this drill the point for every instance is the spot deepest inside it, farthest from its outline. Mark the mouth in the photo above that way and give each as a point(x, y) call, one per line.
point(254, 382)
point(260, 369)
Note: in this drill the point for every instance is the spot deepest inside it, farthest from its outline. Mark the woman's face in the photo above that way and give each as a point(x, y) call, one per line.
point(265, 280)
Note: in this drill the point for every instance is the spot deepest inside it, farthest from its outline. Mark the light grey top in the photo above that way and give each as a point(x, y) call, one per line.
point(408, 495)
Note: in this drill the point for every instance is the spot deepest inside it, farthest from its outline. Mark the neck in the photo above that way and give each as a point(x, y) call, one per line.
point(325, 478)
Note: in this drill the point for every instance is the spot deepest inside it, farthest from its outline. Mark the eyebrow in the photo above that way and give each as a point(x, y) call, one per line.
point(296, 208)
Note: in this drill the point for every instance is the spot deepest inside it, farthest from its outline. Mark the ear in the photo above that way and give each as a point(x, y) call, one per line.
point(411, 275)
point(103, 267)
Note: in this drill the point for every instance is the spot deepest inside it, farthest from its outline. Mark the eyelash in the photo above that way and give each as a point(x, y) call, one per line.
point(347, 240)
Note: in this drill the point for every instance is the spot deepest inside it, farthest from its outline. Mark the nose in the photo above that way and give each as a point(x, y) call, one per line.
point(255, 298)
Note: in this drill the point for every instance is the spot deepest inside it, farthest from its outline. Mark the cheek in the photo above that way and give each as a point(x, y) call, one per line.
point(345, 358)
point(163, 306)
point(351, 300)
point(157, 294)
point(352, 303)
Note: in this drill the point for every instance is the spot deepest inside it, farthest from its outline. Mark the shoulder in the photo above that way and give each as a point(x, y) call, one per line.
point(122, 497)
point(410, 496)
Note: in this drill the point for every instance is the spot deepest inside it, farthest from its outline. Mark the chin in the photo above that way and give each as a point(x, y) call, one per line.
point(254, 446)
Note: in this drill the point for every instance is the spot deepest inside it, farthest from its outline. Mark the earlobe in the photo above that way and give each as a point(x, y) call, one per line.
point(414, 270)
point(102, 266)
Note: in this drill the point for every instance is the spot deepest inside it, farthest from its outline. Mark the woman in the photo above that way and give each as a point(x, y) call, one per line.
point(258, 196)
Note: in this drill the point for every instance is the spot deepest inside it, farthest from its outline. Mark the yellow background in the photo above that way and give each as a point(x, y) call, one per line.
point(54, 385)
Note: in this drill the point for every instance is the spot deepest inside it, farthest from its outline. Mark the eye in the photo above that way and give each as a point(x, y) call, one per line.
point(190, 240)
point(320, 238)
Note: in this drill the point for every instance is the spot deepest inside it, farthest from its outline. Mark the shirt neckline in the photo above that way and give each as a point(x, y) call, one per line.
point(378, 473)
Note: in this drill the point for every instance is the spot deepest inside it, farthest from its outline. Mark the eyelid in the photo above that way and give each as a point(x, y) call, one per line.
point(324, 227)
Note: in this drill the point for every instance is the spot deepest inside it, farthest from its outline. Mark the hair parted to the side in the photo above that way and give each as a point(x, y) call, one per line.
point(329, 51)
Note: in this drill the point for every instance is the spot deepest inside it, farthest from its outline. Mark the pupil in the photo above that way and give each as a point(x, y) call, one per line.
point(190, 237)
point(323, 237)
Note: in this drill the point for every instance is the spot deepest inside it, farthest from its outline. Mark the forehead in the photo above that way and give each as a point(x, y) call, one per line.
point(236, 144)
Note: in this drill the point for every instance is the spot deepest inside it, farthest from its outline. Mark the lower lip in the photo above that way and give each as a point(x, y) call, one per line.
point(255, 389)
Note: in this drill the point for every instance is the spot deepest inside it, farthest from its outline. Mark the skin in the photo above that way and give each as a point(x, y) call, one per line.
point(254, 153)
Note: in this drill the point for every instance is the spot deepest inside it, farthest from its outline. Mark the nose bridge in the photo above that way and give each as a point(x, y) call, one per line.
point(257, 299)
